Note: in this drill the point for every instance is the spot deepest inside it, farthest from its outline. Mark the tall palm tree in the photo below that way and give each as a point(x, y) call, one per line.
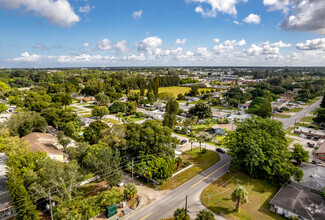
point(191, 139)
point(239, 195)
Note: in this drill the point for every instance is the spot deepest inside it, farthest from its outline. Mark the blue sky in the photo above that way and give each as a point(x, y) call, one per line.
point(76, 33)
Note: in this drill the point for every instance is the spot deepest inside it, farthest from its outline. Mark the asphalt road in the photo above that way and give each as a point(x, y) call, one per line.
point(287, 122)
point(166, 205)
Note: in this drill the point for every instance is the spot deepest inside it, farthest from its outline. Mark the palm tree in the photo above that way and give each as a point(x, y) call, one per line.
point(239, 195)
point(180, 214)
point(178, 161)
point(200, 140)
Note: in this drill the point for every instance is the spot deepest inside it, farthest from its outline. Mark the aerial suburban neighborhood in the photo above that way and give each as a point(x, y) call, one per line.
point(117, 143)
point(162, 110)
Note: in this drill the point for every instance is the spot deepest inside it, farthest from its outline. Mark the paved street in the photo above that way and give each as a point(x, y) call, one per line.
point(165, 206)
point(287, 122)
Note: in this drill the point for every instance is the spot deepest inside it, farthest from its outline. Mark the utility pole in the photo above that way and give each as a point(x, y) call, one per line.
point(186, 205)
point(50, 205)
point(132, 170)
point(294, 129)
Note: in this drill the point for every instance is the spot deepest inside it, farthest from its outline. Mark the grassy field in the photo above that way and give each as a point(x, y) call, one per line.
point(175, 90)
point(294, 110)
point(313, 112)
point(281, 116)
point(260, 193)
point(200, 163)
point(307, 119)
point(312, 101)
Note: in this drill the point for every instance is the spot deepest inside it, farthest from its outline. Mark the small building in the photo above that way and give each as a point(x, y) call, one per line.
point(123, 99)
point(278, 105)
point(314, 177)
point(160, 106)
point(88, 99)
point(43, 142)
point(244, 106)
point(85, 121)
point(320, 152)
point(295, 201)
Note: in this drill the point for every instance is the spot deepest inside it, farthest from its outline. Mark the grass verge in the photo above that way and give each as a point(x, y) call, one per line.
point(307, 119)
point(200, 163)
point(281, 116)
point(260, 193)
point(294, 110)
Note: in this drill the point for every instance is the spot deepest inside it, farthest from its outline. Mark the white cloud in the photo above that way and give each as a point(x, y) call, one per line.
point(315, 44)
point(224, 6)
point(228, 45)
point(57, 12)
point(27, 57)
point(86, 44)
point(265, 48)
point(252, 19)
point(301, 15)
point(137, 14)
point(108, 45)
point(105, 44)
point(236, 22)
point(179, 41)
point(149, 43)
point(86, 9)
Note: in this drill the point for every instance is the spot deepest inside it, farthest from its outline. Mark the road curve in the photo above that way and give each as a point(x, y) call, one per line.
point(166, 205)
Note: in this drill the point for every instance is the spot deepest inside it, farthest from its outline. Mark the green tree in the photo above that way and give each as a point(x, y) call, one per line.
point(151, 97)
point(102, 99)
point(322, 104)
point(117, 107)
point(4, 87)
point(99, 111)
point(299, 154)
point(105, 162)
point(156, 167)
point(205, 215)
point(119, 115)
point(3, 107)
point(93, 133)
point(320, 115)
point(130, 190)
point(132, 107)
point(180, 214)
point(178, 161)
point(260, 107)
point(64, 142)
point(170, 117)
point(201, 110)
point(239, 195)
point(24, 123)
point(259, 148)
point(194, 91)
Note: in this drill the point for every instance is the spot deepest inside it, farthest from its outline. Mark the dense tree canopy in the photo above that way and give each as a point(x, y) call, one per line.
point(260, 107)
point(201, 110)
point(259, 148)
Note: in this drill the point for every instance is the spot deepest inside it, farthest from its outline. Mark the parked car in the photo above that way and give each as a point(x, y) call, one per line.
point(316, 162)
point(316, 138)
point(309, 136)
point(220, 150)
point(311, 126)
point(311, 145)
point(302, 136)
point(321, 128)
point(183, 142)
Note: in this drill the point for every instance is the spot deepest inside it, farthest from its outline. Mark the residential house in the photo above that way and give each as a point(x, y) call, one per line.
point(278, 105)
point(160, 106)
point(320, 152)
point(11, 108)
point(43, 142)
point(295, 201)
point(88, 99)
point(85, 121)
point(192, 99)
point(244, 106)
point(239, 118)
point(222, 129)
point(123, 99)
point(314, 177)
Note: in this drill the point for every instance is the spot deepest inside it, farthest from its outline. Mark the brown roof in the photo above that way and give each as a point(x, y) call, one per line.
point(321, 149)
point(43, 142)
point(228, 127)
point(88, 99)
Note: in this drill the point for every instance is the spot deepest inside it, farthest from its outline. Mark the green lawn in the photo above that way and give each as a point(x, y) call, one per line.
point(312, 101)
point(295, 110)
point(225, 108)
point(175, 90)
point(281, 116)
point(89, 106)
point(307, 119)
point(72, 108)
point(313, 112)
point(200, 163)
point(260, 193)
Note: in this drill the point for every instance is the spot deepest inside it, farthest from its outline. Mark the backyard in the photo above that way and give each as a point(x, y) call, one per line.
point(217, 197)
point(175, 90)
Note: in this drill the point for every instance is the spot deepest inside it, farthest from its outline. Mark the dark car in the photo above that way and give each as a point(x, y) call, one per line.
point(311, 126)
point(309, 136)
point(311, 145)
point(183, 141)
point(321, 128)
point(316, 162)
point(316, 138)
point(220, 150)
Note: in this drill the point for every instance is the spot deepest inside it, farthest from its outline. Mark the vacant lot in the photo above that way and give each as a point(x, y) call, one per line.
point(175, 90)
point(260, 194)
point(200, 163)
